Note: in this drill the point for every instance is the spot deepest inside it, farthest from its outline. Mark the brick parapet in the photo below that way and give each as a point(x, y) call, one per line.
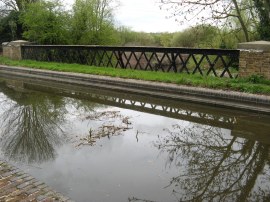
point(254, 59)
point(253, 62)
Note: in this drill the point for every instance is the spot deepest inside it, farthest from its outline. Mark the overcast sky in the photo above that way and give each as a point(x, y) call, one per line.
point(143, 15)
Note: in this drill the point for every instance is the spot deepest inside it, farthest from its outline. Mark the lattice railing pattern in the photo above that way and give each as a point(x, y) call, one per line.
point(183, 113)
point(216, 62)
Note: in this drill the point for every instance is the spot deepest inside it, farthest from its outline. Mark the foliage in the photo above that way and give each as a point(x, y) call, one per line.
point(255, 78)
point(217, 166)
point(10, 27)
point(132, 38)
point(199, 36)
point(220, 23)
point(165, 39)
point(15, 5)
point(241, 84)
point(31, 125)
point(45, 23)
point(126, 35)
point(237, 15)
point(263, 8)
point(92, 22)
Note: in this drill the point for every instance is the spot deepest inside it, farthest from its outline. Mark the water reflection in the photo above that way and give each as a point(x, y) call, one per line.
point(31, 125)
point(211, 155)
point(215, 166)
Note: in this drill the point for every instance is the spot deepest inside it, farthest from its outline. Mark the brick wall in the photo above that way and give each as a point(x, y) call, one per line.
point(12, 52)
point(254, 59)
point(254, 62)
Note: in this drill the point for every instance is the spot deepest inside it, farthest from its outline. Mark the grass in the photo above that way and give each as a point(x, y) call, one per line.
point(254, 84)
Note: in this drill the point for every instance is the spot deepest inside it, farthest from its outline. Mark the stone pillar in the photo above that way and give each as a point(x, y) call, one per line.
point(254, 59)
point(12, 49)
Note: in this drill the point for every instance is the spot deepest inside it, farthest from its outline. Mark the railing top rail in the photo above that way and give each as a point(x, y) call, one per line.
point(142, 48)
point(204, 61)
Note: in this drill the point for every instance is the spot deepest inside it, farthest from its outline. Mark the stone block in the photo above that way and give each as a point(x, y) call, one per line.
point(12, 49)
point(255, 45)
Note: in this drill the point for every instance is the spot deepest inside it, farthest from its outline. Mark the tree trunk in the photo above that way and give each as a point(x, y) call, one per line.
point(242, 23)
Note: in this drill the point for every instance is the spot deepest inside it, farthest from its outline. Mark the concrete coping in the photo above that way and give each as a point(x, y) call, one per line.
point(255, 46)
point(15, 43)
point(5, 43)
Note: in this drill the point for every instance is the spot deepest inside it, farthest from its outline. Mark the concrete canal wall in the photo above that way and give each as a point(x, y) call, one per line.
point(209, 97)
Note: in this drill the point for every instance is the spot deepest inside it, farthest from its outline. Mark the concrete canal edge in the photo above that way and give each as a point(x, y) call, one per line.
point(219, 98)
point(16, 185)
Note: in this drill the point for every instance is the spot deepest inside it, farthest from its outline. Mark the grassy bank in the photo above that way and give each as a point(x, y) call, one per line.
point(254, 84)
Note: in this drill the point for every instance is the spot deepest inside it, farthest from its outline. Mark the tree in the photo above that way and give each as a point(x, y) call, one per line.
point(93, 23)
point(208, 11)
point(10, 27)
point(263, 8)
point(198, 36)
point(6, 6)
point(31, 125)
point(214, 165)
point(165, 39)
point(45, 23)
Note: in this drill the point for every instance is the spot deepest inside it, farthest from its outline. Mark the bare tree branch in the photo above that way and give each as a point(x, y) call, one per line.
point(213, 11)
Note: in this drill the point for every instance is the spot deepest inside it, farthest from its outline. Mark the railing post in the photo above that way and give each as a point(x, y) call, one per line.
point(173, 63)
point(120, 58)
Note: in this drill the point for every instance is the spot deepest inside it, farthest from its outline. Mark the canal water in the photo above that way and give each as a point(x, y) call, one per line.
point(103, 146)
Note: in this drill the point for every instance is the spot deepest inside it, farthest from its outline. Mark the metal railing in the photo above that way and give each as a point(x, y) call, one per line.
point(216, 62)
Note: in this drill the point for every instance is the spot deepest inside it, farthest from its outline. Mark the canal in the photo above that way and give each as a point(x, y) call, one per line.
point(100, 146)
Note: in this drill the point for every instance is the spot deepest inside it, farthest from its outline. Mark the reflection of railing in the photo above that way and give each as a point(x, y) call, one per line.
point(241, 125)
point(216, 62)
point(166, 110)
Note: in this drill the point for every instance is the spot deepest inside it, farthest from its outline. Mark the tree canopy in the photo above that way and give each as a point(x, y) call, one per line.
point(223, 13)
point(6, 6)
point(215, 23)
point(92, 22)
point(263, 8)
point(45, 23)
point(10, 27)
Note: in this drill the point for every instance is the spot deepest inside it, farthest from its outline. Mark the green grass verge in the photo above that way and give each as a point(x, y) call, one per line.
point(254, 84)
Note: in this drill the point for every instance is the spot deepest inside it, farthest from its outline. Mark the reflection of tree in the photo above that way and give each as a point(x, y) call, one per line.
point(31, 125)
point(216, 166)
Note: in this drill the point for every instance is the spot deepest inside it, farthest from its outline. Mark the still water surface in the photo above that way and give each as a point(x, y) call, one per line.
point(90, 150)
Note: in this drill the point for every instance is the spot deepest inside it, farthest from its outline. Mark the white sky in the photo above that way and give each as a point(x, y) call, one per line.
point(144, 15)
